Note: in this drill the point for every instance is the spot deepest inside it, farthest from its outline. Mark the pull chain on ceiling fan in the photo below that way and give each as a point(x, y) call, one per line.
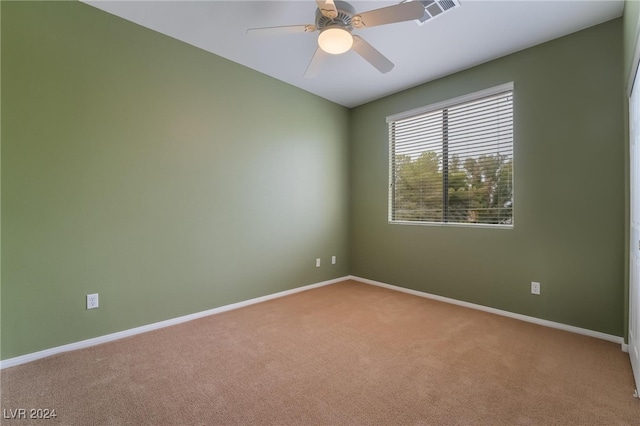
point(336, 20)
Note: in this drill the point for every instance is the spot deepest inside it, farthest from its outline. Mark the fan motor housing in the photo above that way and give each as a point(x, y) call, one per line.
point(343, 20)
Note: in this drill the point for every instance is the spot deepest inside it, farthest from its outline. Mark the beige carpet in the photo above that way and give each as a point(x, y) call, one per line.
point(345, 354)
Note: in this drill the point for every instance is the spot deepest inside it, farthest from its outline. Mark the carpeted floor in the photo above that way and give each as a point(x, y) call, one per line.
point(344, 354)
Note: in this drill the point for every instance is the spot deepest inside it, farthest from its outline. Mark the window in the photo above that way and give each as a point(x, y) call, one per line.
point(453, 162)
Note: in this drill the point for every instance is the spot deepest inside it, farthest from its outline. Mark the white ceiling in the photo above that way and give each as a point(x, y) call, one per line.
point(476, 32)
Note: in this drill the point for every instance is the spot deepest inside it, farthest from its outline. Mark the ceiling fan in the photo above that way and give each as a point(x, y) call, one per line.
point(336, 21)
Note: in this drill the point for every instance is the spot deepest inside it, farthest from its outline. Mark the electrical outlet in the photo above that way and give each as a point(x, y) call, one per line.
point(317, 262)
point(535, 287)
point(92, 301)
point(333, 260)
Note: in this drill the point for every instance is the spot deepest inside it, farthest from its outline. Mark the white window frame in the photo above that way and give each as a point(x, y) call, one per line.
point(439, 106)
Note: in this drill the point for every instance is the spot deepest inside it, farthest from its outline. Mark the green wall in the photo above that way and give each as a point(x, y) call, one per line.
point(569, 190)
point(164, 178)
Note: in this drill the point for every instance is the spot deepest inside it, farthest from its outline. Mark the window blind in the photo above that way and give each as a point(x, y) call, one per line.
point(454, 164)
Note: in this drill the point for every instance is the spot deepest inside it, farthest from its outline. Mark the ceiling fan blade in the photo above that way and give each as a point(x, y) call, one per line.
point(316, 63)
point(327, 8)
point(371, 55)
point(388, 15)
point(288, 29)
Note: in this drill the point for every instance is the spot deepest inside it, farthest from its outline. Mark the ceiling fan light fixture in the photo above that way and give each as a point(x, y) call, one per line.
point(335, 40)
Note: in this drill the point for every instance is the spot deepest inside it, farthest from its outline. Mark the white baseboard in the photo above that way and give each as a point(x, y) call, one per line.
point(11, 362)
point(534, 320)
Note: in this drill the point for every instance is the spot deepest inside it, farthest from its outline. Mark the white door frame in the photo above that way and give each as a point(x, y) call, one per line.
point(633, 94)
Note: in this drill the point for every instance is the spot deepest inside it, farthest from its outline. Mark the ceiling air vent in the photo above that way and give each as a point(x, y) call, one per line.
point(435, 8)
